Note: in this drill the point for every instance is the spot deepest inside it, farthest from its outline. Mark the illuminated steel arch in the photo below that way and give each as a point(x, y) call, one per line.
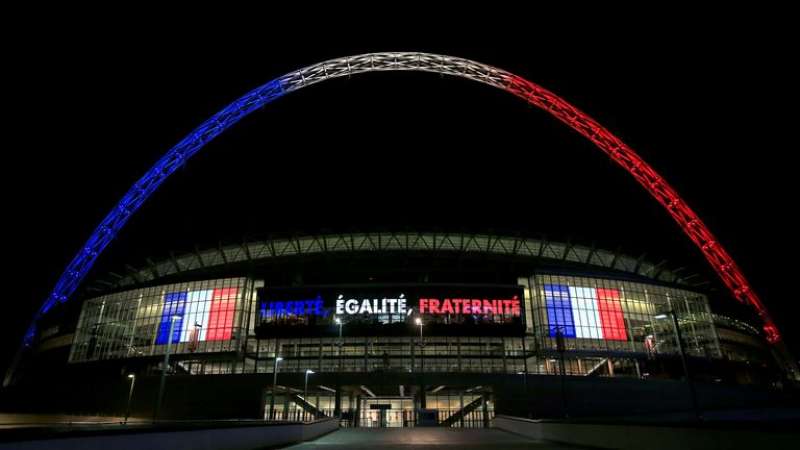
point(623, 155)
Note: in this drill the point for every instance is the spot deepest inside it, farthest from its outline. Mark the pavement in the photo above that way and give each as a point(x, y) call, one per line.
point(14, 420)
point(424, 438)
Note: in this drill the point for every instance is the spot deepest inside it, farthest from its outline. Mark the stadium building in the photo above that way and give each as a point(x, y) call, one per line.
point(399, 329)
point(393, 329)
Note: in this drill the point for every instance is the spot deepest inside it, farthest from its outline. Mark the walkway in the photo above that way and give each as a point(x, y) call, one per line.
point(423, 437)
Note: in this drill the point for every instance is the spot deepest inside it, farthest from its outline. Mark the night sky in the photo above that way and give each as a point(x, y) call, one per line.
point(93, 106)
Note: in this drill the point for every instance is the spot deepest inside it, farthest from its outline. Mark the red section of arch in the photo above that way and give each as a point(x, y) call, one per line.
point(623, 155)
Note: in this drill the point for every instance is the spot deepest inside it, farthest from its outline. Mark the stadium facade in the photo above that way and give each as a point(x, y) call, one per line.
point(393, 329)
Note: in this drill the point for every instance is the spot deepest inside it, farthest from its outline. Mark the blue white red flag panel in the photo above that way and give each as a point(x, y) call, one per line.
point(584, 312)
point(204, 315)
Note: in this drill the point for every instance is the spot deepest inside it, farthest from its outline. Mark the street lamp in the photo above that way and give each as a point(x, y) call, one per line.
point(305, 386)
point(524, 392)
point(339, 322)
point(422, 399)
point(132, 377)
point(561, 348)
point(338, 401)
point(524, 382)
point(684, 362)
point(274, 384)
point(162, 385)
point(418, 321)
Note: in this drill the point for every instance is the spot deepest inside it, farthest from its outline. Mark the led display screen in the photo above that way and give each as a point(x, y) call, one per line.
point(392, 309)
point(584, 312)
point(202, 315)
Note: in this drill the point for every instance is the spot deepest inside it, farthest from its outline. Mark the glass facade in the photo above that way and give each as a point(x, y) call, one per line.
point(603, 316)
point(461, 410)
point(196, 317)
point(604, 325)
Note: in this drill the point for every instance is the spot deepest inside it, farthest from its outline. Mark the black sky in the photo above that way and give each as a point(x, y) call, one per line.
point(706, 101)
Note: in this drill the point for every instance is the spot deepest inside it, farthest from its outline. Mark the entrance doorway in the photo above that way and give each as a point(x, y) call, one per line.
point(386, 412)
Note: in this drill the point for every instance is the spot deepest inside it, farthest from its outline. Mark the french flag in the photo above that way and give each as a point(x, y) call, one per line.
point(205, 315)
point(584, 312)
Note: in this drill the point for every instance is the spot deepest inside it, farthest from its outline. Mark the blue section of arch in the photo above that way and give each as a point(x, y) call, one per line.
point(142, 189)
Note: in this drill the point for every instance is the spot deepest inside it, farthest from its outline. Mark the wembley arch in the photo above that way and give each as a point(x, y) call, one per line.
point(613, 147)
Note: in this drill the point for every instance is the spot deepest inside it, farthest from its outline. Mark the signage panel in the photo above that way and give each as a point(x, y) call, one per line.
point(391, 309)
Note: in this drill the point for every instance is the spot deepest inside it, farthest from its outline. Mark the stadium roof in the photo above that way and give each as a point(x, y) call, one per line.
point(464, 243)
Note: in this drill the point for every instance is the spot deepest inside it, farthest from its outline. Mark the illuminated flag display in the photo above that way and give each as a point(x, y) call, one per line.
point(584, 312)
point(197, 311)
point(559, 310)
point(611, 314)
point(220, 317)
point(205, 315)
point(174, 306)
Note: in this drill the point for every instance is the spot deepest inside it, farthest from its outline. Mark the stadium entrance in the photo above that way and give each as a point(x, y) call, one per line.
point(384, 406)
point(386, 412)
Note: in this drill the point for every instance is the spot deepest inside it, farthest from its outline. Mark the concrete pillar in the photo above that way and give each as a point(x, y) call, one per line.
point(461, 407)
point(357, 414)
point(485, 398)
point(337, 402)
point(286, 404)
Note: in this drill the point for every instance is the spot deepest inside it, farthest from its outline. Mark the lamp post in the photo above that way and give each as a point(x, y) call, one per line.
point(339, 322)
point(561, 348)
point(274, 384)
point(131, 377)
point(338, 402)
point(684, 362)
point(163, 382)
point(422, 399)
point(418, 321)
point(305, 386)
point(524, 382)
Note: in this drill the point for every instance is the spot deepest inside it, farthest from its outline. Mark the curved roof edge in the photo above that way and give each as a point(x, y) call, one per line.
point(401, 241)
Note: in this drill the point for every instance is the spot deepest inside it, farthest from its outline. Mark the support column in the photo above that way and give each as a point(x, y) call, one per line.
point(337, 402)
point(461, 407)
point(286, 403)
point(366, 355)
point(503, 345)
point(357, 413)
point(458, 342)
point(413, 365)
point(485, 405)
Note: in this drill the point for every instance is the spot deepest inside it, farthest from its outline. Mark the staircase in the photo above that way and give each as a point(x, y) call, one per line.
point(307, 407)
point(461, 413)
